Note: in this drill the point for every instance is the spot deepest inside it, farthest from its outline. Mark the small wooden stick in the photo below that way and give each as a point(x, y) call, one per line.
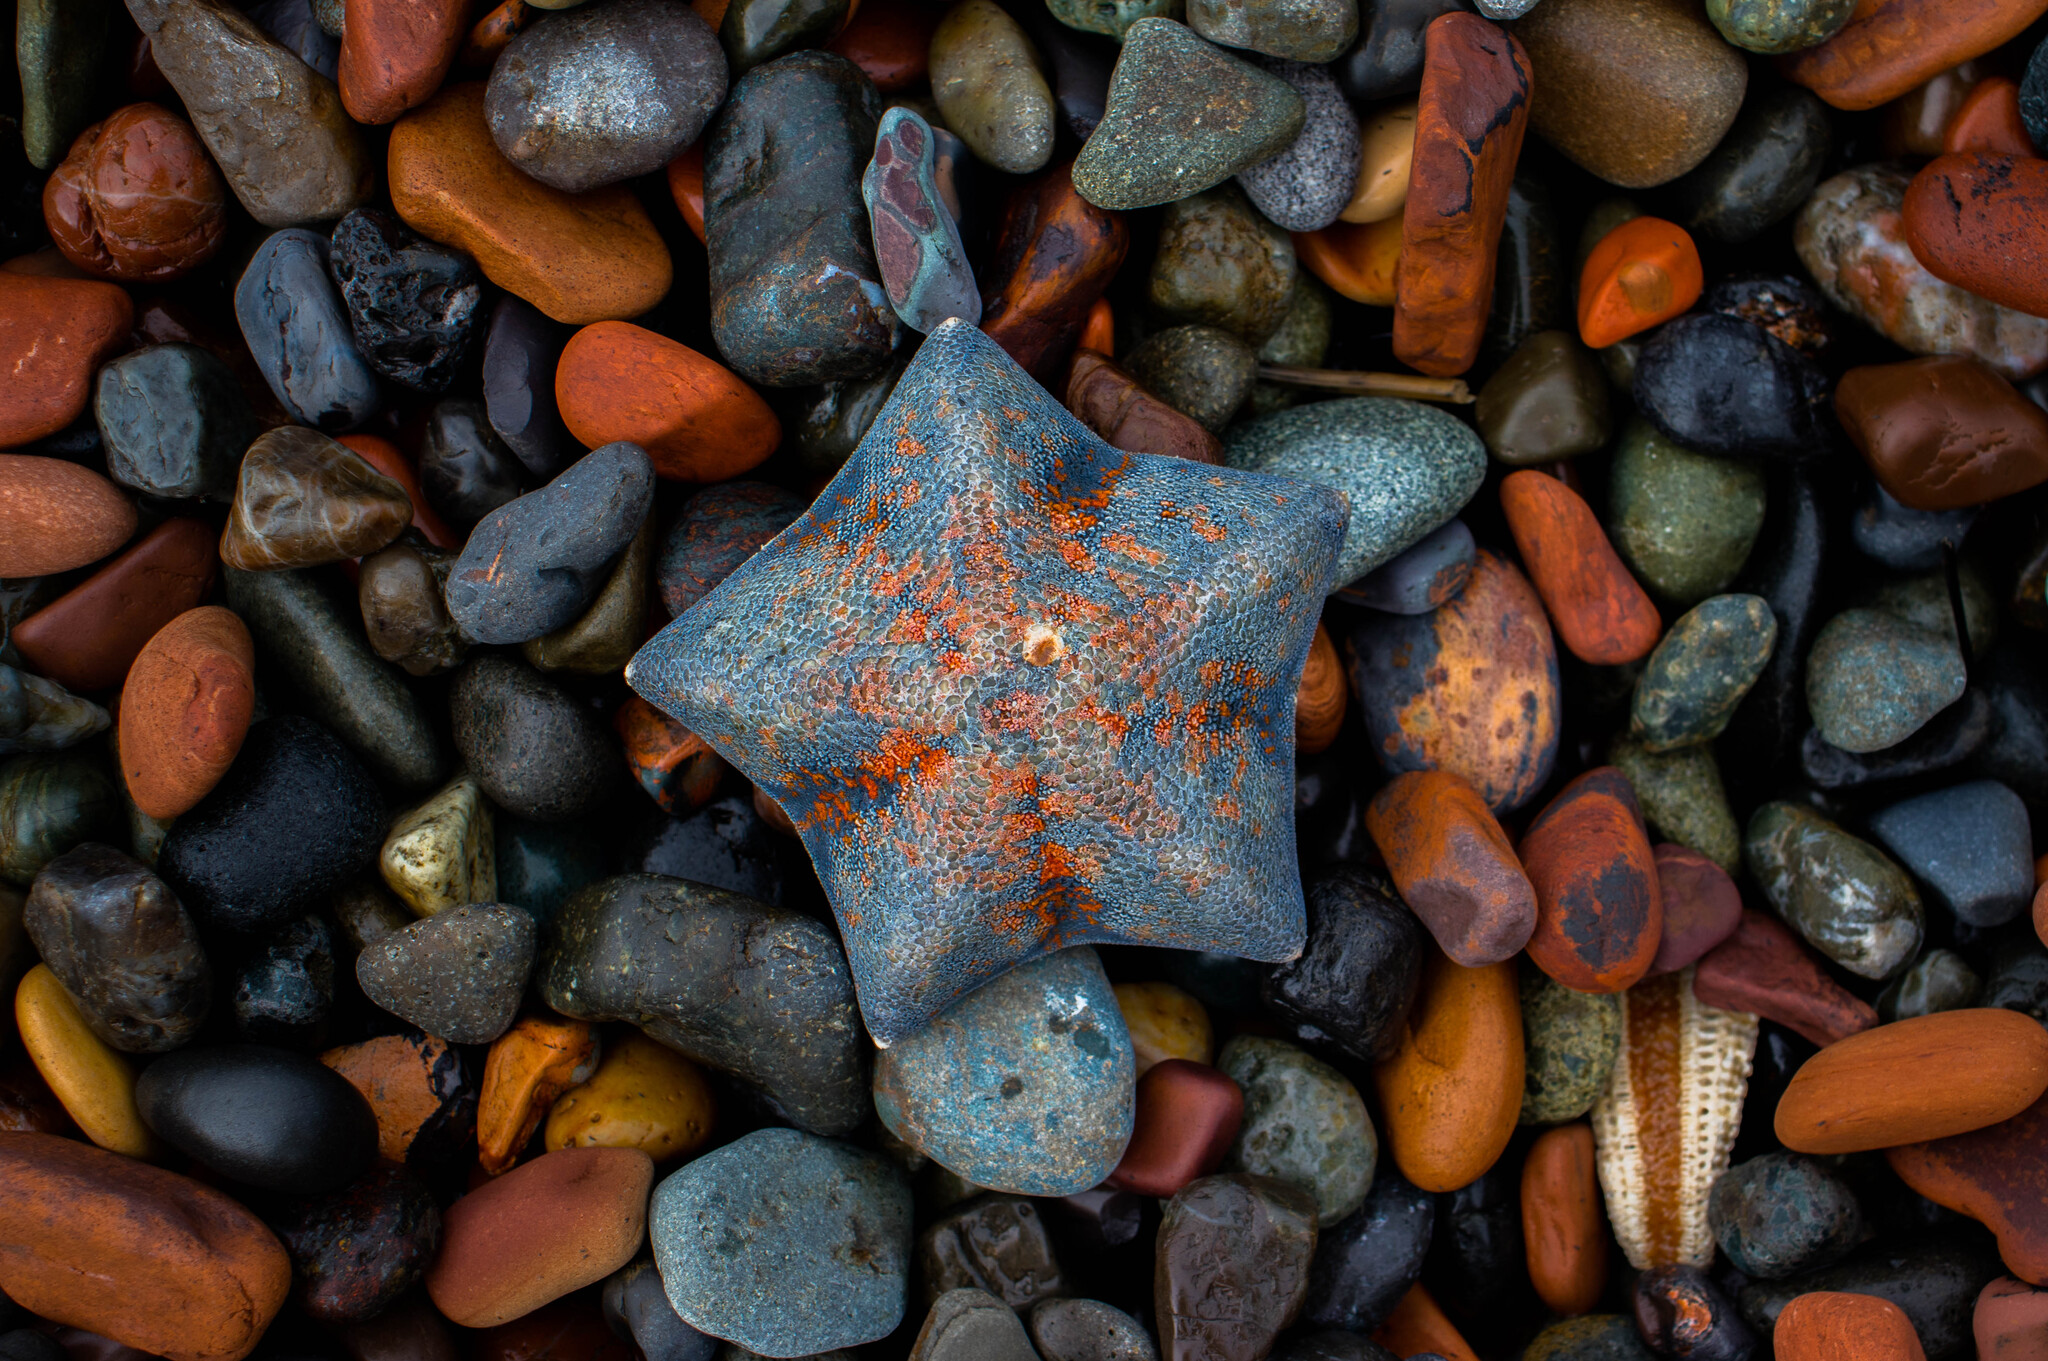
point(1452, 390)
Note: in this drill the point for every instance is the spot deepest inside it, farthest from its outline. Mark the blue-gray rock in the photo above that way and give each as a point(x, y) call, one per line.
point(1784, 1213)
point(294, 24)
point(1971, 845)
point(459, 974)
point(1088, 1330)
point(1305, 187)
point(413, 305)
point(531, 566)
point(1874, 679)
point(298, 330)
point(1899, 536)
point(1422, 576)
point(785, 1243)
point(1367, 1262)
point(1025, 1084)
point(1405, 467)
point(1719, 385)
point(465, 469)
point(1304, 1124)
point(174, 422)
point(521, 350)
point(1700, 671)
point(635, 1304)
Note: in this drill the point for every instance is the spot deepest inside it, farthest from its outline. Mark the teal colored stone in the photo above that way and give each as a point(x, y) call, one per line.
point(51, 802)
point(1684, 522)
point(1404, 466)
point(1304, 1124)
point(57, 45)
point(1873, 679)
point(1183, 115)
point(1113, 17)
point(1024, 1085)
point(1701, 670)
point(1775, 26)
point(917, 243)
point(1570, 1041)
point(1847, 898)
point(1923, 600)
point(1683, 798)
point(37, 714)
point(1784, 1213)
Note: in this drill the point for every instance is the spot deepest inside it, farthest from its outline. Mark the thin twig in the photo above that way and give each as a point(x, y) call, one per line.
point(1422, 389)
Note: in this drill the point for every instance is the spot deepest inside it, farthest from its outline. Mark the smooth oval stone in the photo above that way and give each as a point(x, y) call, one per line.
point(465, 471)
point(536, 751)
point(1453, 689)
point(302, 500)
point(123, 946)
point(1146, 152)
point(137, 199)
point(783, 211)
point(1682, 798)
point(1405, 468)
point(1388, 58)
point(55, 334)
point(1421, 577)
point(531, 566)
point(57, 48)
point(1874, 679)
point(264, 1117)
point(309, 634)
point(998, 1244)
point(686, 963)
point(1232, 1267)
point(986, 81)
point(1548, 401)
point(284, 992)
point(1201, 371)
point(412, 305)
point(1305, 187)
point(1088, 1330)
point(41, 715)
point(1304, 1124)
point(1762, 170)
point(294, 818)
point(299, 332)
point(275, 126)
point(1775, 26)
point(521, 350)
point(1940, 980)
point(356, 1251)
point(785, 1242)
point(1971, 845)
point(917, 241)
point(460, 974)
point(1935, 1283)
point(1784, 1213)
point(1943, 433)
point(1843, 895)
point(1023, 1085)
point(405, 616)
point(1367, 1262)
point(1571, 1040)
point(605, 92)
point(1299, 30)
point(1966, 217)
point(174, 422)
point(1700, 671)
point(1221, 263)
point(1903, 538)
point(51, 802)
point(1358, 975)
point(1721, 386)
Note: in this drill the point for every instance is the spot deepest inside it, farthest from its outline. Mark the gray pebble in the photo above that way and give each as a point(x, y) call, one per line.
point(458, 974)
point(1305, 187)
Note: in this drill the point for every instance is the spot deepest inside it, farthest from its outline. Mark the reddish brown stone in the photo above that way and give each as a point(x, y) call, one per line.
point(1187, 1115)
point(677, 768)
point(890, 40)
point(87, 638)
point(1599, 915)
point(561, 1222)
point(1974, 220)
point(1702, 907)
point(56, 515)
point(2011, 1322)
point(1989, 119)
point(1829, 1325)
point(1054, 254)
point(686, 186)
point(1115, 406)
point(1602, 614)
point(1944, 432)
point(490, 34)
point(54, 334)
point(1473, 112)
point(137, 199)
point(132, 1252)
point(185, 709)
point(1763, 968)
point(396, 53)
point(695, 418)
point(1890, 46)
point(572, 1329)
point(1997, 1176)
point(1453, 865)
point(1564, 1232)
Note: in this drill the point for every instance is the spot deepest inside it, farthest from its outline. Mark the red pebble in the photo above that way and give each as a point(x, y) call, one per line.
point(1766, 969)
point(1989, 120)
point(1974, 220)
point(87, 638)
point(1602, 615)
point(1702, 906)
point(1187, 1115)
point(1599, 916)
point(2011, 1322)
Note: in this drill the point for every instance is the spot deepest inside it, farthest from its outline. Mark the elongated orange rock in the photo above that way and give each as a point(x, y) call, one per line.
point(695, 418)
point(1663, 1129)
point(1599, 915)
point(1454, 865)
point(1418, 1324)
point(530, 1065)
point(1451, 1093)
point(1601, 613)
point(1890, 46)
point(185, 709)
point(1564, 1232)
point(1319, 700)
point(1973, 218)
point(1469, 122)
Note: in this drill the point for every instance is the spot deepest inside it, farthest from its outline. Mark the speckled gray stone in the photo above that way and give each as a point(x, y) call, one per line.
point(1305, 187)
point(1405, 467)
point(1504, 9)
point(1088, 1330)
point(1873, 679)
point(1570, 1040)
point(1304, 1124)
point(971, 1325)
point(1971, 845)
point(1701, 670)
point(1301, 30)
point(785, 1243)
point(1682, 798)
point(1203, 372)
point(459, 974)
point(1183, 116)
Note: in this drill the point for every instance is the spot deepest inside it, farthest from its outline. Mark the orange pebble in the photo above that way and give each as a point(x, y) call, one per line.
point(1418, 1325)
point(1356, 260)
point(1099, 334)
point(383, 455)
point(686, 186)
point(1643, 272)
point(1603, 616)
point(890, 40)
point(1453, 865)
point(1319, 702)
point(1989, 120)
point(530, 1065)
point(1564, 1231)
point(1833, 1325)
point(489, 36)
point(2041, 913)
point(695, 418)
point(1451, 1094)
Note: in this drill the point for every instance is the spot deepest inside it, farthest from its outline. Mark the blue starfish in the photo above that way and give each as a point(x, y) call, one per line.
point(1018, 690)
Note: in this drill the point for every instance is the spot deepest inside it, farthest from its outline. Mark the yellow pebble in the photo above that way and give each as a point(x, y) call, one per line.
point(442, 854)
point(1165, 1023)
point(96, 1085)
point(1387, 151)
point(643, 1095)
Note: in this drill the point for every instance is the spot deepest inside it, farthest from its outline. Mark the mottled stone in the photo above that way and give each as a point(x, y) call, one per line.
point(785, 1242)
point(1203, 372)
point(1088, 1330)
point(299, 332)
point(1843, 895)
point(440, 854)
point(1304, 1124)
point(275, 125)
point(1221, 263)
point(917, 243)
point(1784, 1213)
point(123, 946)
point(1023, 1085)
point(1111, 17)
point(1683, 521)
point(1700, 671)
point(1775, 26)
point(1874, 679)
point(174, 422)
point(356, 1251)
point(989, 89)
point(1299, 30)
point(302, 500)
point(412, 305)
point(536, 751)
point(1404, 467)
point(1971, 845)
point(264, 1117)
point(41, 715)
point(1762, 170)
point(137, 200)
point(1305, 187)
point(1147, 151)
point(1232, 1265)
point(459, 974)
point(1572, 1039)
point(284, 992)
point(51, 802)
point(605, 93)
point(994, 1243)
point(1358, 975)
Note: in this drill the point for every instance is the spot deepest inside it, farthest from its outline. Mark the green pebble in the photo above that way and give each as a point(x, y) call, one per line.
point(1301, 342)
point(1570, 1040)
point(1776, 26)
point(1849, 899)
point(1939, 980)
point(1682, 798)
point(1113, 17)
point(1873, 679)
point(1684, 522)
point(1203, 372)
point(1701, 670)
point(57, 47)
point(1221, 263)
point(1304, 1123)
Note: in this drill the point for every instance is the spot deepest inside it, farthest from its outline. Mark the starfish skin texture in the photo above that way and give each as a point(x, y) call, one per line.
point(1018, 690)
